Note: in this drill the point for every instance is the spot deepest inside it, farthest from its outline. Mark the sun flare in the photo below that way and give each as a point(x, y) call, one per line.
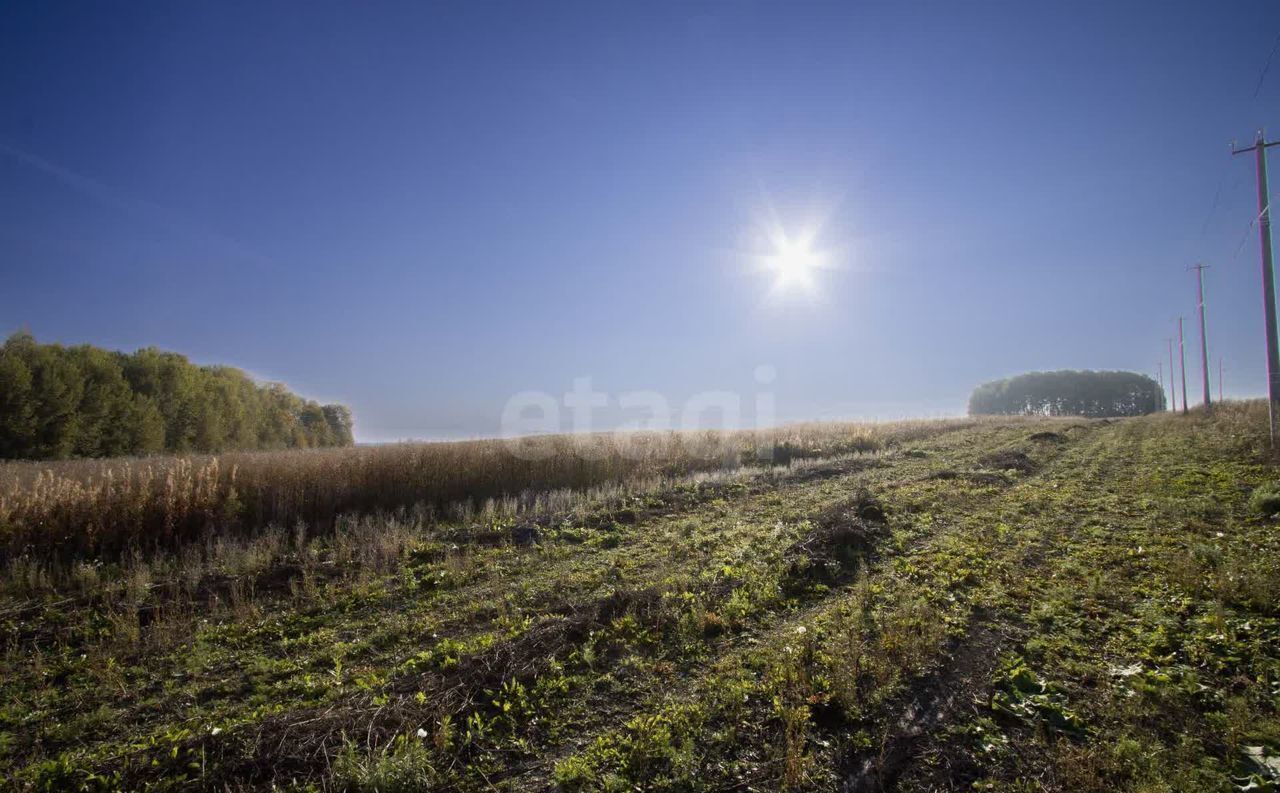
point(793, 263)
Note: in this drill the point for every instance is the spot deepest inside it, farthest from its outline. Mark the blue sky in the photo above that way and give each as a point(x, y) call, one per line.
point(421, 209)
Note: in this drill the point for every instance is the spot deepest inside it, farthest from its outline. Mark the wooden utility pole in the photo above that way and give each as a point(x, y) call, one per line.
point(1204, 344)
point(1160, 377)
point(1173, 395)
point(1182, 365)
point(1260, 147)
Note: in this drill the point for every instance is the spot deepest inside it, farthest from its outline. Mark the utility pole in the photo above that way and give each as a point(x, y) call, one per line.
point(1204, 345)
point(1160, 377)
point(1260, 147)
point(1220, 398)
point(1182, 365)
point(1173, 395)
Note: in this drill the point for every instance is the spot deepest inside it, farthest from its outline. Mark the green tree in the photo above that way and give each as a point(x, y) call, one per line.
point(106, 404)
point(1067, 392)
point(340, 424)
point(315, 425)
point(57, 387)
point(17, 399)
point(173, 382)
point(85, 401)
point(146, 426)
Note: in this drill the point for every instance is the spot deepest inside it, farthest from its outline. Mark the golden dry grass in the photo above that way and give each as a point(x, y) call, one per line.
point(106, 507)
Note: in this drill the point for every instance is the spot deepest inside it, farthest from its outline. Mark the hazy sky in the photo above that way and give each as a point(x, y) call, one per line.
point(421, 209)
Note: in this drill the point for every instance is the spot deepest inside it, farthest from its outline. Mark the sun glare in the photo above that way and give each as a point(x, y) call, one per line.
point(793, 263)
point(794, 257)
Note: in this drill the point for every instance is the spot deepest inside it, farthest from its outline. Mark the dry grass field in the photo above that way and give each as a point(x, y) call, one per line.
point(109, 508)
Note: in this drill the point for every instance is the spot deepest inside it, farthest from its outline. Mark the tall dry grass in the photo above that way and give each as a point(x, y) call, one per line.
point(104, 508)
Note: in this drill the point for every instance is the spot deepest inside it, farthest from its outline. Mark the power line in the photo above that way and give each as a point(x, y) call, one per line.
point(1266, 67)
point(1217, 197)
point(1204, 227)
point(1253, 221)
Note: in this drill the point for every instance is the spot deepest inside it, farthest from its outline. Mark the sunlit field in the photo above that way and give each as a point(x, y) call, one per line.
point(106, 508)
point(917, 605)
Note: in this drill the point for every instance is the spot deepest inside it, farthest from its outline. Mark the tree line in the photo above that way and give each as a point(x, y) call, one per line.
point(84, 401)
point(1069, 393)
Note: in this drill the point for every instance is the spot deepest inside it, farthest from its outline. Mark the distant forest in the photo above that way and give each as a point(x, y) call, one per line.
point(84, 401)
point(1069, 393)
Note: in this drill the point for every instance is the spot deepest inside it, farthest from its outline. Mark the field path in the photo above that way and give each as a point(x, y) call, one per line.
point(1007, 605)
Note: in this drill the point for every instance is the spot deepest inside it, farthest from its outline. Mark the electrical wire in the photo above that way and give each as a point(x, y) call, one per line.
point(1245, 236)
point(1266, 67)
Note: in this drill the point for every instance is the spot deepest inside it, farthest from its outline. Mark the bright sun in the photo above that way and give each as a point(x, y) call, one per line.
point(793, 263)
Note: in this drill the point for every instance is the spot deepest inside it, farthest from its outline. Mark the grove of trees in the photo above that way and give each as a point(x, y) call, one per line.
point(1069, 393)
point(84, 401)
